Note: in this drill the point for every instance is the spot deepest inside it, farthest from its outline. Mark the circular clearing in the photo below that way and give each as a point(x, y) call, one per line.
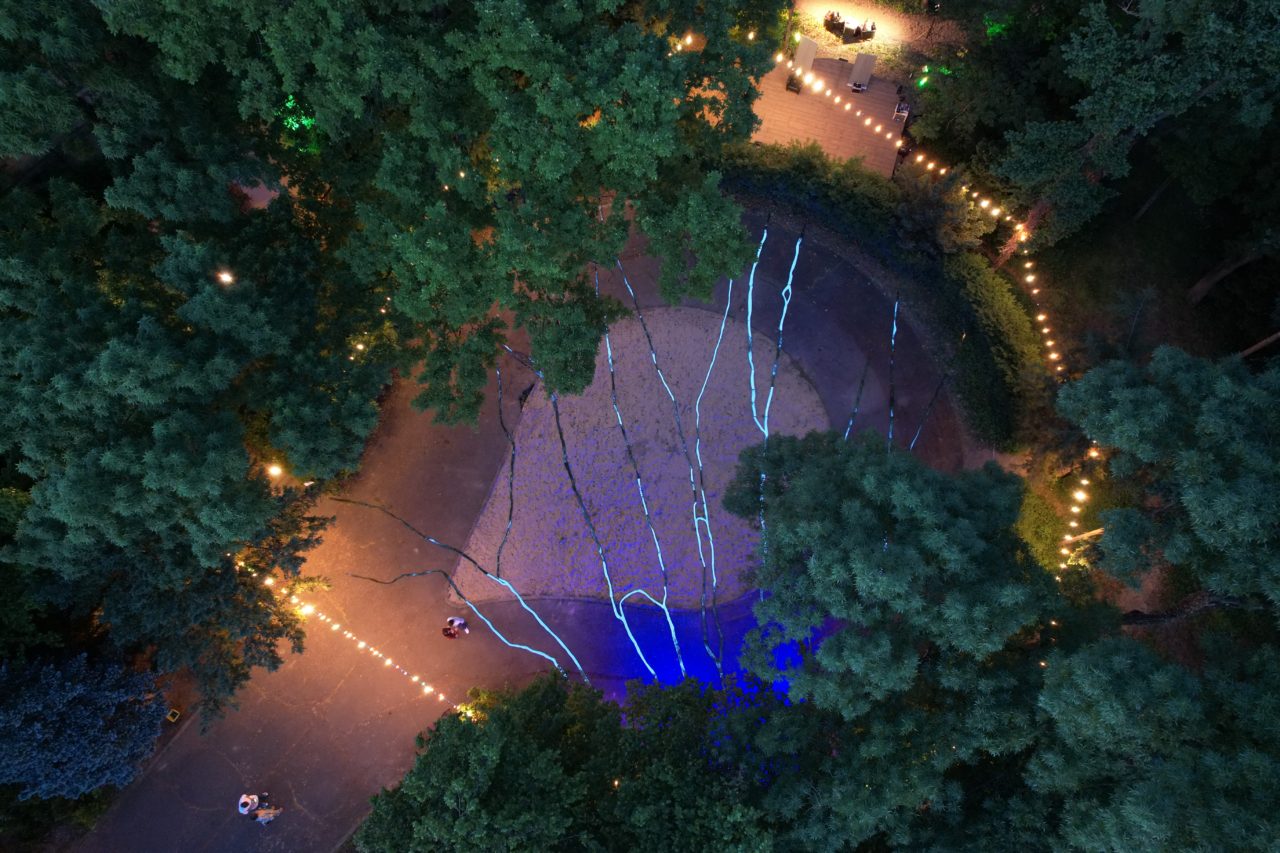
point(550, 551)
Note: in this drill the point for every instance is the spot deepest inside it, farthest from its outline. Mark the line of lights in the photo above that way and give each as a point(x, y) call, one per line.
point(307, 609)
point(820, 86)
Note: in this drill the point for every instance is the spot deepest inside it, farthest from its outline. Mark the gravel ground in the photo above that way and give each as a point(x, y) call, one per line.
point(550, 551)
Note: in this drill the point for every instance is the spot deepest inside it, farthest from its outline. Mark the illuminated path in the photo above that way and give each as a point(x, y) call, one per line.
point(334, 725)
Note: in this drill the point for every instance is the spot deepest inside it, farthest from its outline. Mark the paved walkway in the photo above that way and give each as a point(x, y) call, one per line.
point(333, 726)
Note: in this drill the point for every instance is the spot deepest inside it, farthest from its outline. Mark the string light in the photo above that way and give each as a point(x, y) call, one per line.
point(274, 470)
point(225, 277)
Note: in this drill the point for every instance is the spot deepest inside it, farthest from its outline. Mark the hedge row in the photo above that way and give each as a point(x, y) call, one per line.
point(971, 311)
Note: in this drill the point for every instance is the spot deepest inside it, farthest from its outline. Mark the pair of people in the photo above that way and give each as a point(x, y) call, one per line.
point(453, 626)
point(255, 806)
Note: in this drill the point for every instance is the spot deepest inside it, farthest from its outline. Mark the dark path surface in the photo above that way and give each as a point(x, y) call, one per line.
point(333, 726)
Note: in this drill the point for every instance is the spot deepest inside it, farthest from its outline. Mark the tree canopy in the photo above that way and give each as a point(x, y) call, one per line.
point(1200, 436)
point(222, 232)
point(480, 147)
point(901, 600)
point(556, 767)
point(1155, 63)
point(69, 728)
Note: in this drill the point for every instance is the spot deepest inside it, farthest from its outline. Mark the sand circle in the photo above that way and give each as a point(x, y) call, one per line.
point(550, 551)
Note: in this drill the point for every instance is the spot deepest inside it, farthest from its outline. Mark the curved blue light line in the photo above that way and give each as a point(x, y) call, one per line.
point(751, 363)
point(644, 503)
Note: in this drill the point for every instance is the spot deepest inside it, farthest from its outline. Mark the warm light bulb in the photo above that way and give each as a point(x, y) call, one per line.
point(984, 204)
point(1080, 495)
point(778, 58)
point(274, 470)
point(226, 277)
point(688, 39)
point(751, 36)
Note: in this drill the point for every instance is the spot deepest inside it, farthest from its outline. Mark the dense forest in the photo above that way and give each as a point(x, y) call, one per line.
point(223, 235)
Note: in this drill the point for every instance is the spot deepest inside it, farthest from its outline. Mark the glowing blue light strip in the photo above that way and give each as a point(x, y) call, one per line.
point(476, 611)
point(465, 556)
point(751, 362)
point(705, 519)
point(644, 503)
point(893, 340)
point(927, 409)
point(782, 319)
point(618, 612)
point(700, 517)
point(857, 401)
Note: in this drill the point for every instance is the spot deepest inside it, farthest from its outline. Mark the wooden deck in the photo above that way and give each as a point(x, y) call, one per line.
point(816, 117)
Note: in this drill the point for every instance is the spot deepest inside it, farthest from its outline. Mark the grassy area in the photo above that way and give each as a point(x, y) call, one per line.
point(972, 315)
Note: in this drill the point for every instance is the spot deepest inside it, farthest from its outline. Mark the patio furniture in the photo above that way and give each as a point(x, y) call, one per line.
point(860, 77)
point(806, 51)
point(901, 110)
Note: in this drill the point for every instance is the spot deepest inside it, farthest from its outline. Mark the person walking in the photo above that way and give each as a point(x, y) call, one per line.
point(457, 623)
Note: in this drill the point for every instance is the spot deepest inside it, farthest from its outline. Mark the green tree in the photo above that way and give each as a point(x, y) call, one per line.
point(68, 729)
point(555, 767)
point(900, 601)
point(1200, 437)
point(936, 216)
point(1146, 756)
point(136, 377)
point(1139, 70)
point(479, 145)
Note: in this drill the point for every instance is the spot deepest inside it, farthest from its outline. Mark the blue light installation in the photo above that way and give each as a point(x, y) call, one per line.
point(500, 581)
point(893, 340)
point(635, 468)
point(705, 518)
point(857, 400)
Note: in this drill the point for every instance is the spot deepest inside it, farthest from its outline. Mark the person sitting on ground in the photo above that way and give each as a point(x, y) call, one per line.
point(265, 815)
point(458, 624)
point(248, 803)
point(449, 632)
